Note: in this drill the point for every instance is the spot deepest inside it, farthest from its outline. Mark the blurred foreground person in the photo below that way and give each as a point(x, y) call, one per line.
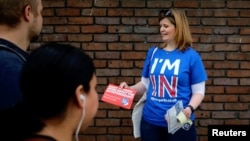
point(58, 83)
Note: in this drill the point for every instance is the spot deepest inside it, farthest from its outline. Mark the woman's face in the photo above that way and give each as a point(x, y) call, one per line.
point(167, 30)
point(92, 103)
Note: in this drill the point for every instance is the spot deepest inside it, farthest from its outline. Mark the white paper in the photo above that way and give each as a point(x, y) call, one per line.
point(171, 117)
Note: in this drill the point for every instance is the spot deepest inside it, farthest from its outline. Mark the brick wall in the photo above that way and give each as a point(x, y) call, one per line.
point(117, 34)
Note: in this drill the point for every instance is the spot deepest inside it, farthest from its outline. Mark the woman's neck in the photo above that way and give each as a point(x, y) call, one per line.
point(170, 47)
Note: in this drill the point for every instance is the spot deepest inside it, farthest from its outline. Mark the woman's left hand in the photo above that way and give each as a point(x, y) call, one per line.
point(187, 111)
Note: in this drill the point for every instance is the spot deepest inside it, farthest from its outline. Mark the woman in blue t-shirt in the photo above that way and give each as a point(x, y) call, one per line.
point(172, 73)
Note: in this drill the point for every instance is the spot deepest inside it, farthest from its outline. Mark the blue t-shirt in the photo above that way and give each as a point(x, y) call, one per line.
point(171, 75)
point(10, 67)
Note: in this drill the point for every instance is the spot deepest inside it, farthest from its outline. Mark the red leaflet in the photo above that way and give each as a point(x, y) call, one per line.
point(122, 97)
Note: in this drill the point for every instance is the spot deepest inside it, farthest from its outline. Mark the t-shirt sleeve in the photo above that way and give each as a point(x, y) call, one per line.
point(145, 70)
point(198, 72)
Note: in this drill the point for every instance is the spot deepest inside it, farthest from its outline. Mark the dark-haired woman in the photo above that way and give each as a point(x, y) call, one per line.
point(58, 83)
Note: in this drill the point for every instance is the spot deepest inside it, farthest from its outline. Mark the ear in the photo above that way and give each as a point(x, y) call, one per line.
point(27, 13)
point(78, 94)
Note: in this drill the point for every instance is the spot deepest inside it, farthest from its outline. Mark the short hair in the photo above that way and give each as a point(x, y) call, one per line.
point(11, 10)
point(178, 18)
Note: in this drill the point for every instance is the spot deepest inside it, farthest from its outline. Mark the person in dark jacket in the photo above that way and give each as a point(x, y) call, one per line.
point(20, 24)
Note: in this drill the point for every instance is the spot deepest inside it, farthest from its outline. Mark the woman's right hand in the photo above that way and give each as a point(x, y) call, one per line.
point(123, 85)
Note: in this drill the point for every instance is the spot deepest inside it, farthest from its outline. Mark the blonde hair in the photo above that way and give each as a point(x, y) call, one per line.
point(183, 37)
